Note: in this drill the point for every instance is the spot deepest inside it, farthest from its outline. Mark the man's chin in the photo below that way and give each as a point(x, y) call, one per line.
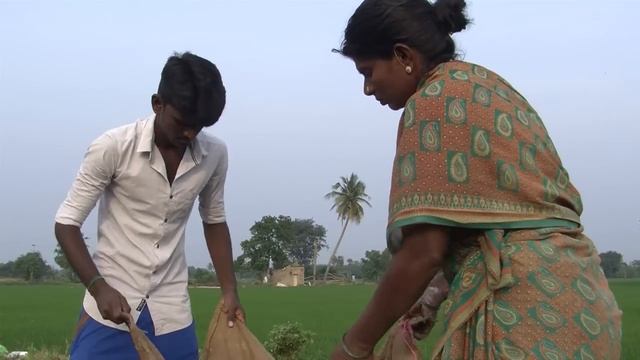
point(180, 144)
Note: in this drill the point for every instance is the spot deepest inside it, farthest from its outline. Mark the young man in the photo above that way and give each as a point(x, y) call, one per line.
point(148, 175)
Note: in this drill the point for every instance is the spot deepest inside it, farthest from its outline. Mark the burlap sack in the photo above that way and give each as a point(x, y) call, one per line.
point(416, 324)
point(145, 348)
point(237, 343)
point(400, 344)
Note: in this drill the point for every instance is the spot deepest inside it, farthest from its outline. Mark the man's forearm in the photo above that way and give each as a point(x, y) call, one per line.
point(219, 245)
point(72, 244)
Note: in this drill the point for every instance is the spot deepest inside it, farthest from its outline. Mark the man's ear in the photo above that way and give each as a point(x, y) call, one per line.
point(156, 103)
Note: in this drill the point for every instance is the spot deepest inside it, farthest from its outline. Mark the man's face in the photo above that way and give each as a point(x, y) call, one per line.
point(172, 125)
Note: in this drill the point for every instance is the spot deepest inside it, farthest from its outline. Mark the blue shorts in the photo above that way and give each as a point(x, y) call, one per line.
point(95, 341)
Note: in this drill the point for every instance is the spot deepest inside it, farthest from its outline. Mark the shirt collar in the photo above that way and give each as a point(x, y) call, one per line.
point(146, 136)
point(196, 146)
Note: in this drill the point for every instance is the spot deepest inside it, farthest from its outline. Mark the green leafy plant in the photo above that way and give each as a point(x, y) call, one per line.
point(287, 341)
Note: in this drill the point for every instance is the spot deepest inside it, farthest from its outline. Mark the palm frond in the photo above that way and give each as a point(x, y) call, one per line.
point(348, 194)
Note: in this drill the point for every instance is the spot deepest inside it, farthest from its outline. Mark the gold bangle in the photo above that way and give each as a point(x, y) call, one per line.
point(346, 350)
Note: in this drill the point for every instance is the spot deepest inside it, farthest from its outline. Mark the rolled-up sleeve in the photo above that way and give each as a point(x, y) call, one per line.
point(212, 195)
point(96, 172)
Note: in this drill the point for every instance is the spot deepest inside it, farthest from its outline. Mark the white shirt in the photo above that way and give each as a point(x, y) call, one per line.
point(142, 218)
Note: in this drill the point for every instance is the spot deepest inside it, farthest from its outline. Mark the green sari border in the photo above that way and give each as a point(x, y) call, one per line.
point(523, 224)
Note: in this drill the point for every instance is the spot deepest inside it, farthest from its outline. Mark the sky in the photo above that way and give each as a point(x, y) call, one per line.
point(296, 117)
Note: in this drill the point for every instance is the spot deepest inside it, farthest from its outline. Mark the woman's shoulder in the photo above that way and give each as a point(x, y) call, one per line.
point(457, 70)
point(464, 79)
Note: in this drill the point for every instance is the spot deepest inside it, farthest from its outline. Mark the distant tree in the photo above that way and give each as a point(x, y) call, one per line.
point(201, 276)
point(31, 266)
point(308, 239)
point(268, 241)
point(61, 260)
point(374, 264)
point(611, 263)
point(306, 235)
point(348, 195)
point(338, 266)
point(7, 269)
point(625, 271)
point(320, 268)
point(241, 265)
point(353, 268)
point(635, 268)
point(282, 240)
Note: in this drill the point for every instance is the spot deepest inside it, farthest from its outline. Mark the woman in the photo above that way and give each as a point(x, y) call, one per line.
point(478, 190)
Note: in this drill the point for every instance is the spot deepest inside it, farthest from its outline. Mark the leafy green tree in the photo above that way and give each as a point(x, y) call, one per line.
point(31, 266)
point(308, 239)
point(635, 268)
point(282, 241)
point(611, 263)
point(202, 276)
point(7, 269)
point(269, 238)
point(353, 268)
point(61, 260)
point(374, 264)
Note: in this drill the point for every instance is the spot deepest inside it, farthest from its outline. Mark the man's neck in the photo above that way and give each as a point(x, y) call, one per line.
point(163, 143)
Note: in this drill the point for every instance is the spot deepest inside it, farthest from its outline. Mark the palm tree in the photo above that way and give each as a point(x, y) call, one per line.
point(348, 196)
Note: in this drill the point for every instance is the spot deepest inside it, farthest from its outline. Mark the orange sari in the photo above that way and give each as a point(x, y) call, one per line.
point(473, 154)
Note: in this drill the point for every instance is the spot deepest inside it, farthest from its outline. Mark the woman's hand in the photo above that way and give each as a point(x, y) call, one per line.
point(339, 353)
point(422, 316)
point(411, 270)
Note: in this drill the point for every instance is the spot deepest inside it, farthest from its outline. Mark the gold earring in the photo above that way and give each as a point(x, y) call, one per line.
point(408, 69)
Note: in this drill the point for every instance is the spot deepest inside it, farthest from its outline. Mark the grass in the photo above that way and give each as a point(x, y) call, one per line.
point(627, 294)
point(43, 316)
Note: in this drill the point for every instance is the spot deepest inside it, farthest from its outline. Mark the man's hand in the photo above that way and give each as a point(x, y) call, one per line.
point(111, 304)
point(219, 245)
point(232, 308)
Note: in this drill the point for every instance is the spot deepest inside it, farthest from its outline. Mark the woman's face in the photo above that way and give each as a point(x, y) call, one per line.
point(388, 80)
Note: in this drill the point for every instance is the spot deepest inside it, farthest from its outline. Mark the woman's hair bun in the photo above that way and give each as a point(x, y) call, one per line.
point(450, 15)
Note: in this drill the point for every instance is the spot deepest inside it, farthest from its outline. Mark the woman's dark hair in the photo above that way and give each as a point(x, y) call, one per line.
point(193, 86)
point(377, 25)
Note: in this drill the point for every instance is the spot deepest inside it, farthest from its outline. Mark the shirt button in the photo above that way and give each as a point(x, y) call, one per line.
point(147, 296)
point(157, 245)
point(165, 220)
point(171, 196)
